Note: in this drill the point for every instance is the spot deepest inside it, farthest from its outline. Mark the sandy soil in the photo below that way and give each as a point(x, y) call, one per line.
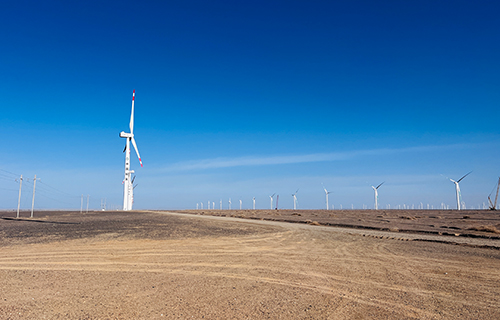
point(154, 265)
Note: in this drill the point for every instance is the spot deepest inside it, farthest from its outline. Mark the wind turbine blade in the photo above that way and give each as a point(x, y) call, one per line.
point(273, 194)
point(380, 185)
point(132, 114)
point(464, 176)
point(445, 176)
point(125, 148)
point(296, 191)
point(136, 150)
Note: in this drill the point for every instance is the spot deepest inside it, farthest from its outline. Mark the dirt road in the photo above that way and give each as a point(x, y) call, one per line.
point(158, 265)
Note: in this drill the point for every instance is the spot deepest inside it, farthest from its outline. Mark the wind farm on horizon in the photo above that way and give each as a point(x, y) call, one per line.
point(130, 177)
point(492, 205)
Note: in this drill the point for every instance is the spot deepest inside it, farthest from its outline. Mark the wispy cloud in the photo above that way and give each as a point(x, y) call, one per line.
point(216, 163)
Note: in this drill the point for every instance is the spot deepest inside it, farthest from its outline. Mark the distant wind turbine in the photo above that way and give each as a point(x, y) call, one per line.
point(457, 189)
point(376, 194)
point(326, 193)
point(253, 203)
point(229, 203)
point(271, 197)
point(295, 200)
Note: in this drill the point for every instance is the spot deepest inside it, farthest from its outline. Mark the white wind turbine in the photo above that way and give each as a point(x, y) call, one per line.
point(128, 188)
point(457, 189)
point(295, 200)
point(326, 193)
point(229, 203)
point(271, 197)
point(253, 203)
point(241, 203)
point(376, 194)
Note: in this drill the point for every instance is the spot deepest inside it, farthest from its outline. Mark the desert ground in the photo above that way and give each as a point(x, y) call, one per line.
point(250, 264)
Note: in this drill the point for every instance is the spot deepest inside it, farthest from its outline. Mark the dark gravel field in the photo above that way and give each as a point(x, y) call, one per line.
point(47, 226)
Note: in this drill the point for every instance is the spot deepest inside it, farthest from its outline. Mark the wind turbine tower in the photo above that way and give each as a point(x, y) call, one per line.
point(128, 188)
point(253, 203)
point(295, 200)
point(326, 193)
point(376, 194)
point(457, 189)
point(271, 197)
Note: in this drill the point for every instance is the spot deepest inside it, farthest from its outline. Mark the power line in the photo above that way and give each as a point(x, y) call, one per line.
point(11, 173)
point(8, 189)
point(64, 202)
point(57, 190)
point(42, 189)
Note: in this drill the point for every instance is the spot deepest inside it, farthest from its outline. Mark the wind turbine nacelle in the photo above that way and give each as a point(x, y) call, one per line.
point(123, 134)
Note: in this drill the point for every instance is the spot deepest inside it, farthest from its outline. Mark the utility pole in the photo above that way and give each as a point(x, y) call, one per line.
point(103, 204)
point(33, 201)
point(19, 200)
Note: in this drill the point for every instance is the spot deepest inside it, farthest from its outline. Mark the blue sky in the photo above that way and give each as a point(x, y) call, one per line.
point(242, 99)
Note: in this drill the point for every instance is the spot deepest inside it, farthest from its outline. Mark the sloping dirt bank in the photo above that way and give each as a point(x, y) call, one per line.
point(465, 223)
